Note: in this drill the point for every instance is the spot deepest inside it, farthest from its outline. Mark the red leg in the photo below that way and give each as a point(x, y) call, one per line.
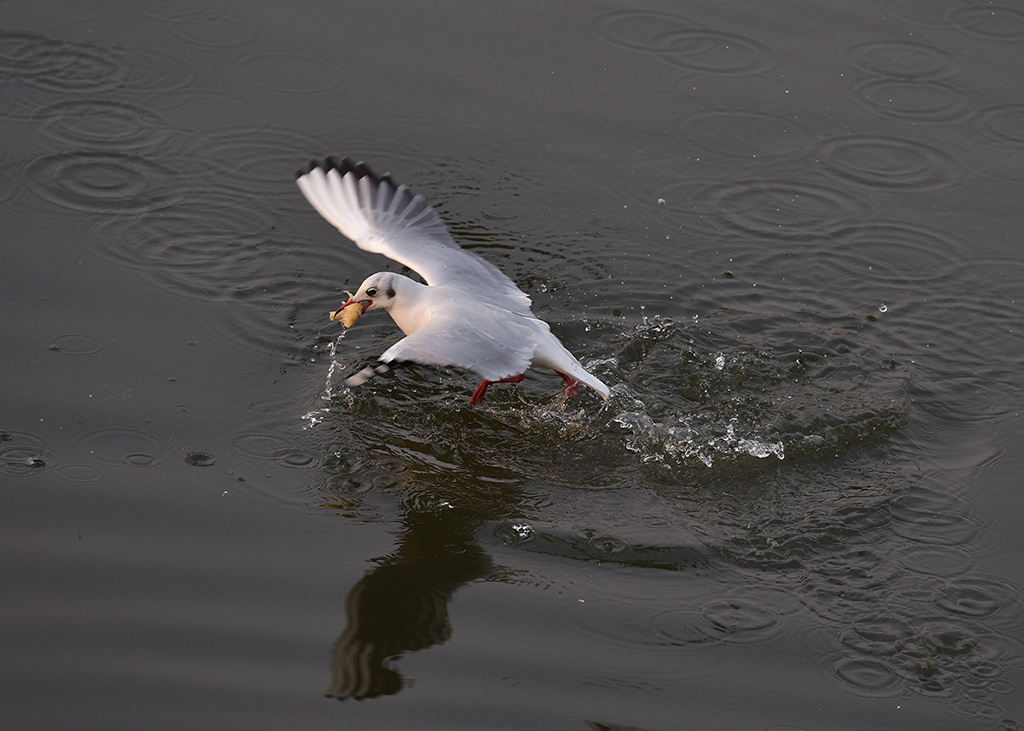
point(479, 393)
point(481, 390)
point(570, 385)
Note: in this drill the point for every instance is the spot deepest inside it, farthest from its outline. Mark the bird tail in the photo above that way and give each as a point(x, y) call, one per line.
point(584, 376)
point(552, 354)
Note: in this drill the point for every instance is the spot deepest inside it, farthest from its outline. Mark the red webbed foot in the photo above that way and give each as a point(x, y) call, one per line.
point(571, 385)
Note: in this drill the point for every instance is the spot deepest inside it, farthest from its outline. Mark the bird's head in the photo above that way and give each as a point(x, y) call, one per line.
point(377, 291)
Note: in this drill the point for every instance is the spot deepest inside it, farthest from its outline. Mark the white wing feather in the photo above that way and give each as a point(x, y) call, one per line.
point(386, 218)
point(485, 340)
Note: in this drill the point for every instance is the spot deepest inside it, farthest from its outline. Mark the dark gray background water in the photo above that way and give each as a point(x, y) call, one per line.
point(787, 233)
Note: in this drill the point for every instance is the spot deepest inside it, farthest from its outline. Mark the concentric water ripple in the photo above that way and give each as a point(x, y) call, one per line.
point(941, 561)
point(664, 193)
point(889, 163)
point(924, 12)
point(1001, 154)
point(122, 446)
point(97, 123)
point(680, 42)
point(994, 22)
point(103, 182)
point(210, 30)
point(289, 287)
point(79, 472)
point(868, 677)
point(206, 244)
point(913, 100)
point(866, 265)
point(635, 638)
point(999, 280)
point(903, 60)
point(197, 263)
point(967, 374)
point(973, 597)
point(261, 162)
point(614, 625)
point(154, 73)
point(931, 654)
point(59, 66)
point(23, 454)
point(1003, 123)
point(712, 52)
point(786, 209)
point(637, 30)
point(863, 256)
point(38, 70)
point(739, 620)
point(879, 635)
point(909, 645)
point(869, 268)
point(932, 517)
point(77, 344)
point(996, 160)
point(266, 446)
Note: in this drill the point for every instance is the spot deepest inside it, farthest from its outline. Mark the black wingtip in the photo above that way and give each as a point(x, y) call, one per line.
point(344, 166)
point(307, 168)
point(365, 374)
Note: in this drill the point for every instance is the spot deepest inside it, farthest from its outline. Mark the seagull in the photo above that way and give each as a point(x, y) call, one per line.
point(468, 314)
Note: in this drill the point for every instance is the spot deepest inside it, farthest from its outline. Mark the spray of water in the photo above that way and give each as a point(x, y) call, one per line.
point(314, 417)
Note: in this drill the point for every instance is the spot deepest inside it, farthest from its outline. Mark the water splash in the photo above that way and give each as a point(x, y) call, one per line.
point(691, 437)
point(315, 417)
point(689, 393)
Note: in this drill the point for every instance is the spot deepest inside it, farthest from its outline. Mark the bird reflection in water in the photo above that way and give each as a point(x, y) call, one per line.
point(402, 605)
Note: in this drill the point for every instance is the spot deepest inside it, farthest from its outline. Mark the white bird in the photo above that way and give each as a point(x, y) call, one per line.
point(467, 315)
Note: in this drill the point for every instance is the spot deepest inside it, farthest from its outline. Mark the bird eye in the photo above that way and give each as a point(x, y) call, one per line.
point(371, 292)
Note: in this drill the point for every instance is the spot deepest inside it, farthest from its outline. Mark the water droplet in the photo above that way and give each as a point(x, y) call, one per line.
point(200, 459)
point(522, 530)
point(514, 533)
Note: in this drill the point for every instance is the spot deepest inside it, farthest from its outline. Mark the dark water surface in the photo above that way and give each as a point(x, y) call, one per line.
point(786, 233)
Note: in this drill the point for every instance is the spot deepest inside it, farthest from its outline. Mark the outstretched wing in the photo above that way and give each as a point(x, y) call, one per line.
point(386, 218)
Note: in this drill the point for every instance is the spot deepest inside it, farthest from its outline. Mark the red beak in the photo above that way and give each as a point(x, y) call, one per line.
point(365, 303)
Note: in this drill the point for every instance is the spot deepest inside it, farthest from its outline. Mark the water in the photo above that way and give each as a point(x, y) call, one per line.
point(786, 235)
